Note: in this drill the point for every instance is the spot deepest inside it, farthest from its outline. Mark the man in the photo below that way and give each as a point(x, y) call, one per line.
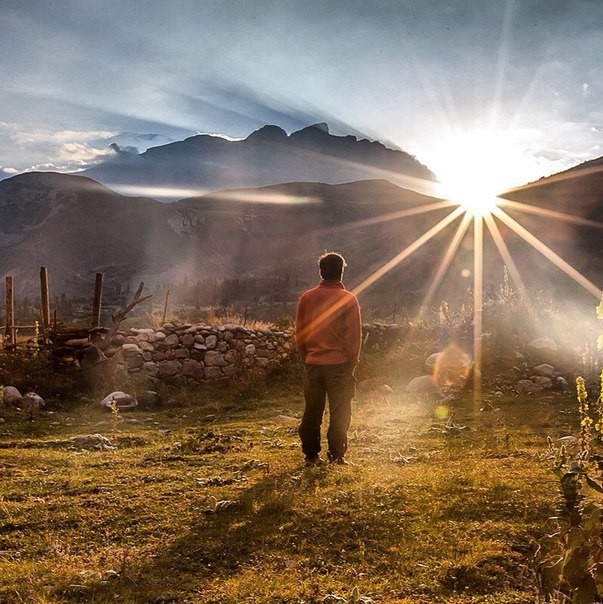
point(328, 333)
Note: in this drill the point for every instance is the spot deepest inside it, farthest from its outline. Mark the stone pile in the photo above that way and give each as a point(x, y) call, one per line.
point(539, 365)
point(200, 353)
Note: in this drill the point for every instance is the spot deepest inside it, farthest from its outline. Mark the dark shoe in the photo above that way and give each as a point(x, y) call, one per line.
point(339, 461)
point(314, 460)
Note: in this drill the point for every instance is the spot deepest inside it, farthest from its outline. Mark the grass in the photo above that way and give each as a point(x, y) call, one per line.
point(210, 503)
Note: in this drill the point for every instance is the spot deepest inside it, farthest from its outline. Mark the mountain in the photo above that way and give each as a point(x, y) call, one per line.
point(267, 156)
point(76, 226)
point(576, 195)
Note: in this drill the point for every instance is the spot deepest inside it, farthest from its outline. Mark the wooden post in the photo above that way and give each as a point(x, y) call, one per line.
point(10, 313)
point(45, 299)
point(96, 304)
point(165, 307)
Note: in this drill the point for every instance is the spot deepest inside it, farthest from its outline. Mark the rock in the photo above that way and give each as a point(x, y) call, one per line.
point(540, 380)
point(545, 370)
point(188, 340)
point(150, 399)
point(122, 401)
point(168, 369)
point(213, 373)
point(171, 341)
point(543, 348)
point(134, 362)
point(422, 384)
point(150, 369)
point(213, 358)
point(211, 341)
point(11, 395)
point(194, 369)
point(93, 441)
point(431, 362)
point(131, 350)
point(527, 387)
point(31, 403)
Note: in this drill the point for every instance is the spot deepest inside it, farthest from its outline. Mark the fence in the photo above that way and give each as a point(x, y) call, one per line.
point(46, 326)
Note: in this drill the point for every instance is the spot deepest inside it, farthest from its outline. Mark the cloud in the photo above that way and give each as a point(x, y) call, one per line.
point(83, 154)
point(82, 135)
point(36, 136)
point(58, 150)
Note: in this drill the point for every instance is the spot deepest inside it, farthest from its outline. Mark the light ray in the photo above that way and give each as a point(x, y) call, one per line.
point(411, 249)
point(388, 266)
point(548, 253)
point(572, 173)
point(530, 209)
point(505, 254)
point(478, 303)
point(430, 207)
point(445, 263)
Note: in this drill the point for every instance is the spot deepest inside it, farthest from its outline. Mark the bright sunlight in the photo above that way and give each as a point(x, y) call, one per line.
point(474, 167)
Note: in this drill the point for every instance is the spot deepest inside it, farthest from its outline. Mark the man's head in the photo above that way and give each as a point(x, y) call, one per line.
point(331, 266)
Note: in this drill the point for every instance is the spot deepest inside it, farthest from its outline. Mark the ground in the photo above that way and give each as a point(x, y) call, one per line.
point(210, 502)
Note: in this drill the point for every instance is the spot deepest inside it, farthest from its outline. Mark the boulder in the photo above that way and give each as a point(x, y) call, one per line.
point(11, 395)
point(543, 348)
point(121, 400)
point(545, 370)
point(421, 385)
point(431, 362)
point(527, 387)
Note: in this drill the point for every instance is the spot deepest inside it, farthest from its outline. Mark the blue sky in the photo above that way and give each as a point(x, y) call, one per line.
point(517, 82)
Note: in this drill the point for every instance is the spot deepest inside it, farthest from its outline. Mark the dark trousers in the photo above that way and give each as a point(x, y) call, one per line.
point(338, 384)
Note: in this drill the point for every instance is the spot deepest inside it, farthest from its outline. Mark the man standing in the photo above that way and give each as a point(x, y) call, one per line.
point(328, 333)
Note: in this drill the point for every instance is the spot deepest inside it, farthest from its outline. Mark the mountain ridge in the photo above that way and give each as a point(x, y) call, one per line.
point(267, 156)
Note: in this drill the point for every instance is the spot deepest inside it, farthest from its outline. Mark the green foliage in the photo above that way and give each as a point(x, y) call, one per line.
point(25, 370)
point(569, 560)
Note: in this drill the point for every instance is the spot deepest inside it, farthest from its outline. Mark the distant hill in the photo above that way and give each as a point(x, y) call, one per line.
point(76, 227)
point(577, 192)
point(267, 156)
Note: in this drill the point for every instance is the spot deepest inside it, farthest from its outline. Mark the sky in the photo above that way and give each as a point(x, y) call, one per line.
point(515, 85)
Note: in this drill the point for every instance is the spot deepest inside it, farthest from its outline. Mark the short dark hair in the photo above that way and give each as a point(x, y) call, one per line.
point(331, 265)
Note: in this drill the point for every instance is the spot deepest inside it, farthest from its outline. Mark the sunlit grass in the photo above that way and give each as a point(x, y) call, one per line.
point(425, 515)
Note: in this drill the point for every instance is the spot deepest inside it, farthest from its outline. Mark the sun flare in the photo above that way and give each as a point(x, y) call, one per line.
point(475, 167)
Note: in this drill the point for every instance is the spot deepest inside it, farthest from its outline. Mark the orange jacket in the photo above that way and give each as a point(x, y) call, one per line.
point(328, 329)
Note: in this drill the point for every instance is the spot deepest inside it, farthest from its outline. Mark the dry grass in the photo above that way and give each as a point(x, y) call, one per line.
point(210, 503)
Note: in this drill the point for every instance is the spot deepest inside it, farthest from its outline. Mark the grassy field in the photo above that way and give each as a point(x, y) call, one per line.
point(210, 502)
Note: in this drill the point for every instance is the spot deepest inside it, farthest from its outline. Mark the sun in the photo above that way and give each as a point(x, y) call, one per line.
point(474, 167)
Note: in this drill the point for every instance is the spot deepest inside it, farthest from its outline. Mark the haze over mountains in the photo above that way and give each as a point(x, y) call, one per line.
point(76, 226)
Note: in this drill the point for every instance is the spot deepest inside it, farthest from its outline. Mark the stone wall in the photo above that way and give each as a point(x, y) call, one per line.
point(199, 353)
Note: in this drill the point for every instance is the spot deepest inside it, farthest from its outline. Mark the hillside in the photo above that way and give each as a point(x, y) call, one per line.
point(77, 227)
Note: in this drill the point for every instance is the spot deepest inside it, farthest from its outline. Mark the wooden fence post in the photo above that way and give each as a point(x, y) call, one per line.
point(45, 305)
point(96, 304)
point(165, 307)
point(10, 313)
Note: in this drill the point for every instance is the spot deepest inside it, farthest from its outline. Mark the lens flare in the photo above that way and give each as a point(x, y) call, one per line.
point(452, 369)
